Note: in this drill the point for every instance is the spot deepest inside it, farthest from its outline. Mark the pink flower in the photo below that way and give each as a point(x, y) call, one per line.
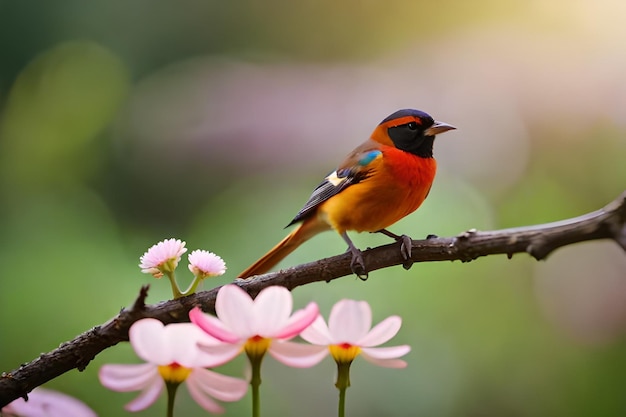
point(255, 325)
point(172, 356)
point(349, 334)
point(206, 264)
point(162, 257)
point(47, 403)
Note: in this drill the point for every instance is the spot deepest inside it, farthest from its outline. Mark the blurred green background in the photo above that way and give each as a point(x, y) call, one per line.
point(127, 122)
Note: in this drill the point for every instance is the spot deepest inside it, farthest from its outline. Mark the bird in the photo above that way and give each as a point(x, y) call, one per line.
point(381, 181)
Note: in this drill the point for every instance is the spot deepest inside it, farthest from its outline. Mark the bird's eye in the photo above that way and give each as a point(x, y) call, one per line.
point(412, 126)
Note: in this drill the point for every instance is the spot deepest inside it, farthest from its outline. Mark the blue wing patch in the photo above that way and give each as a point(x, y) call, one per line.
point(369, 157)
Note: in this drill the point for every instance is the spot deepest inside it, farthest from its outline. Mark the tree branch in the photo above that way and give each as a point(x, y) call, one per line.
point(538, 241)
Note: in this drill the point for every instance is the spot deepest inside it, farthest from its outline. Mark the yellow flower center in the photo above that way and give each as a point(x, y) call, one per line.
point(174, 373)
point(256, 346)
point(344, 352)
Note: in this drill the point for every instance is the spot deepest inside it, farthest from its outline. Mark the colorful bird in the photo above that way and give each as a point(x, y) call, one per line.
point(381, 181)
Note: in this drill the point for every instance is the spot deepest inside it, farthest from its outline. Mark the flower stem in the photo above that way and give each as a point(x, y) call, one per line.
point(342, 384)
point(193, 286)
point(175, 289)
point(341, 411)
point(171, 396)
point(255, 382)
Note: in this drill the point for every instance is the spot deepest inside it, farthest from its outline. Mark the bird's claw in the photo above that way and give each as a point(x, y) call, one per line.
point(357, 265)
point(406, 246)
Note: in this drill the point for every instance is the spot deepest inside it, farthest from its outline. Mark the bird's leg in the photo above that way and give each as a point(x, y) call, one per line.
point(357, 264)
point(405, 246)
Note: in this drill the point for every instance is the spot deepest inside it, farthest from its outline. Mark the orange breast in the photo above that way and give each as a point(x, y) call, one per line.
point(397, 187)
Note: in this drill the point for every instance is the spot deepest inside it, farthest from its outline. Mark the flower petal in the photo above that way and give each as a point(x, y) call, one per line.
point(235, 308)
point(382, 332)
point(183, 340)
point(388, 352)
point(148, 339)
point(272, 308)
point(147, 397)
point(299, 321)
point(221, 387)
point(349, 321)
point(317, 333)
point(385, 363)
point(222, 353)
point(212, 325)
point(49, 403)
point(203, 399)
point(297, 355)
point(204, 384)
point(124, 378)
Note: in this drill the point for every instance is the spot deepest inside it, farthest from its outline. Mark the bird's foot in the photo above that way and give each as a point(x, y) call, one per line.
point(357, 265)
point(406, 245)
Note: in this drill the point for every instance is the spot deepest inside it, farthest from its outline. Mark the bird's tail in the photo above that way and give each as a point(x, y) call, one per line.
point(298, 236)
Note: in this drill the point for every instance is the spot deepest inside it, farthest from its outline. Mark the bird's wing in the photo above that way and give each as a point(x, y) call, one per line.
point(357, 166)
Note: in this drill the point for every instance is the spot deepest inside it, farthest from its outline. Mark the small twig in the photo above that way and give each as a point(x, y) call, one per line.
point(538, 241)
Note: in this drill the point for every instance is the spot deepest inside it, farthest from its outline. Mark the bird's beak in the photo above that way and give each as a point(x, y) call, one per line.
point(438, 127)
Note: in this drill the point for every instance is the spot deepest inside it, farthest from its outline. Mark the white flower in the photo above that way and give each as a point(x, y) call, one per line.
point(349, 334)
point(255, 325)
point(173, 356)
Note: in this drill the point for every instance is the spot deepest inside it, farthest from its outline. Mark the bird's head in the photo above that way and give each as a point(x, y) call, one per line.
point(410, 130)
